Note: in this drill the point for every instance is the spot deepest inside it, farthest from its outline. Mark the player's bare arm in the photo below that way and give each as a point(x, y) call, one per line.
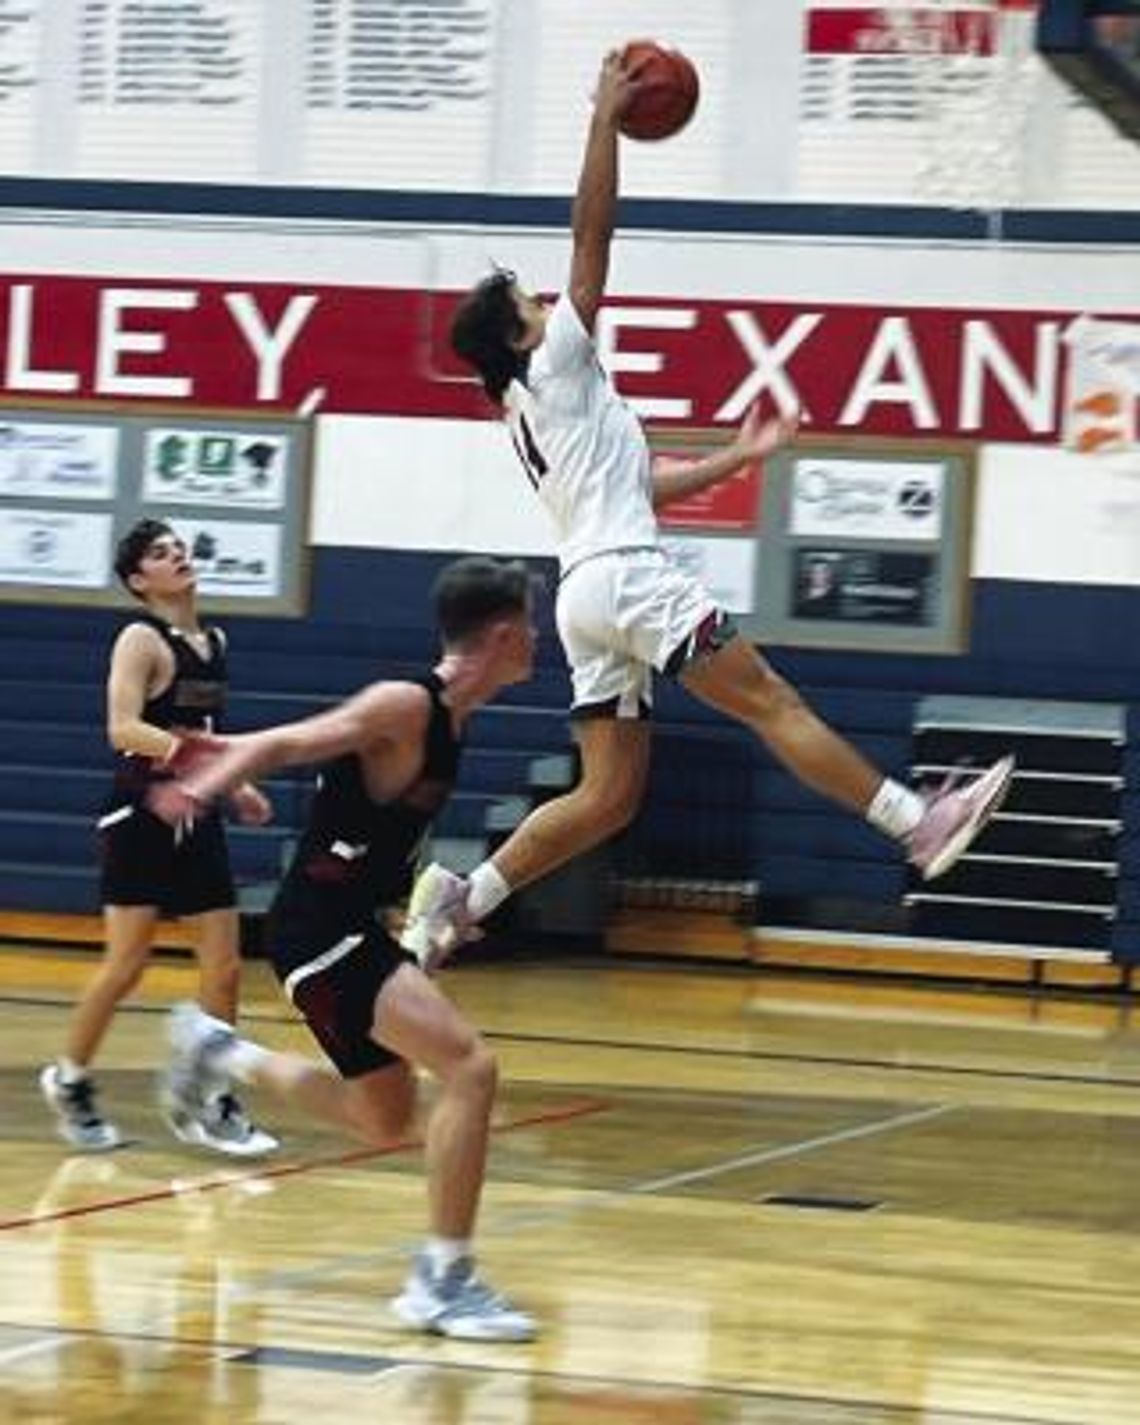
point(377, 720)
point(140, 665)
point(676, 479)
point(595, 202)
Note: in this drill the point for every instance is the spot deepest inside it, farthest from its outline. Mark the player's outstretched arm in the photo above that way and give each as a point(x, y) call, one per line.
point(595, 202)
point(676, 479)
point(384, 712)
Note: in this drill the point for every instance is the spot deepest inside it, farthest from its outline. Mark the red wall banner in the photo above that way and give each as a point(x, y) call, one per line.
point(912, 371)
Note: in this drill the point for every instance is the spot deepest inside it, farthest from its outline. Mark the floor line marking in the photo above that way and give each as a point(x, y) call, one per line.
point(715, 1051)
point(579, 1109)
point(592, 1200)
point(843, 1061)
point(793, 1150)
point(726, 1389)
point(33, 1348)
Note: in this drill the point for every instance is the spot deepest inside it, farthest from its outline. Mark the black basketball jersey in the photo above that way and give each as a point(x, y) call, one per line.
point(356, 854)
point(195, 698)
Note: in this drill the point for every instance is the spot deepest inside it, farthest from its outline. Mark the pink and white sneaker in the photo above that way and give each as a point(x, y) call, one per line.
point(437, 920)
point(954, 816)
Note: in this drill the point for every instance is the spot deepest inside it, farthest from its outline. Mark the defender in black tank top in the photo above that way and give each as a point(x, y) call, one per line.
point(142, 861)
point(167, 678)
point(357, 855)
point(388, 757)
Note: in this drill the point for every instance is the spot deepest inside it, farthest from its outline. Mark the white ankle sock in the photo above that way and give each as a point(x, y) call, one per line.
point(444, 1252)
point(487, 890)
point(895, 809)
point(242, 1060)
point(69, 1071)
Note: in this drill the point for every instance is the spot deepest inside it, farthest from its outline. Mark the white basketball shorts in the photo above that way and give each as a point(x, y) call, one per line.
point(622, 615)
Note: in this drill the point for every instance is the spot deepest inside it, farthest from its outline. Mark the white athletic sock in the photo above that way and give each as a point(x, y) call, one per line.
point(444, 1252)
point(242, 1060)
point(487, 890)
point(69, 1071)
point(895, 809)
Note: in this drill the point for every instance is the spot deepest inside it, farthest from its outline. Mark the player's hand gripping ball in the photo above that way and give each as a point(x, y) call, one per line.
point(668, 88)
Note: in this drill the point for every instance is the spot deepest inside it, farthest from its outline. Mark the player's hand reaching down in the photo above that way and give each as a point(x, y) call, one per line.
point(251, 806)
point(175, 800)
point(175, 804)
point(192, 749)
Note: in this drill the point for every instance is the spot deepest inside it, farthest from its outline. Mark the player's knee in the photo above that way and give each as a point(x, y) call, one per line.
point(477, 1073)
point(124, 969)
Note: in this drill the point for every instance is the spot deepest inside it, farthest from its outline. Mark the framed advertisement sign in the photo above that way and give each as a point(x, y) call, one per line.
point(74, 477)
point(712, 534)
point(865, 543)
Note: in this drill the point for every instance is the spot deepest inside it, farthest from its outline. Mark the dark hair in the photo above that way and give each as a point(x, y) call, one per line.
point(485, 324)
point(472, 592)
point(132, 548)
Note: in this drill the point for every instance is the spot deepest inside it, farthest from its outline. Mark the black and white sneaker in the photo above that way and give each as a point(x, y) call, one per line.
point(78, 1120)
point(194, 1092)
point(227, 1128)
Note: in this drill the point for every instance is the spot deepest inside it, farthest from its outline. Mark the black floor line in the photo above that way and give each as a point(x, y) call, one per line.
point(349, 1362)
point(705, 1051)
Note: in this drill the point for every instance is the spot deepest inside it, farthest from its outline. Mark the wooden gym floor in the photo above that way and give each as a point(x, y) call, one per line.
point(731, 1199)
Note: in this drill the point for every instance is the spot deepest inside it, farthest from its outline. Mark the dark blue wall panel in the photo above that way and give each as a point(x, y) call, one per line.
point(717, 804)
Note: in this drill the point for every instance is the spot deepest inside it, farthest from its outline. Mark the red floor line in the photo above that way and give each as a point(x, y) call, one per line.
point(335, 1160)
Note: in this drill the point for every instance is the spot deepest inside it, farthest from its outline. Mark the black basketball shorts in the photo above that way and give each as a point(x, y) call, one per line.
point(336, 992)
point(143, 862)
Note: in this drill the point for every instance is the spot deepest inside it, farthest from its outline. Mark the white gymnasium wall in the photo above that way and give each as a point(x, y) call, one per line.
point(490, 96)
point(396, 482)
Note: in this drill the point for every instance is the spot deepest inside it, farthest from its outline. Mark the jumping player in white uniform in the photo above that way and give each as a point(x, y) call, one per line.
point(624, 608)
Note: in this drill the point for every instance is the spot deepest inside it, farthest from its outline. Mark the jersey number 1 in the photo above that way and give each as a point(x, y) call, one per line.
point(528, 452)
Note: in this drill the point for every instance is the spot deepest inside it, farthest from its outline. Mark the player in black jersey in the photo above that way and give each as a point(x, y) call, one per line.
point(390, 756)
point(167, 677)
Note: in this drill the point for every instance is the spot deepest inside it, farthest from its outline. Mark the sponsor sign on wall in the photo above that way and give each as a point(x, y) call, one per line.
point(863, 545)
point(214, 466)
point(727, 567)
point(44, 460)
point(866, 499)
point(1102, 400)
point(52, 547)
point(236, 560)
point(864, 586)
point(734, 504)
point(237, 488)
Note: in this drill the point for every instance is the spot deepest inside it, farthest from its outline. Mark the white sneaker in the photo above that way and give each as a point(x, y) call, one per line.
point(194, 1091)
point(78, 1120)
point(437, 921)
point(954, 816)
point(222, 1124)
point(459, 1304)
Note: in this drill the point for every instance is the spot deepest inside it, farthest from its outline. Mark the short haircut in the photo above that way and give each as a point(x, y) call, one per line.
point(485, 324)
point(472, 592)
point(133, 546)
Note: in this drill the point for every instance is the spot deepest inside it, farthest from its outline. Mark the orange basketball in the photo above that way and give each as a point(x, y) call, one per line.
point(667, 94)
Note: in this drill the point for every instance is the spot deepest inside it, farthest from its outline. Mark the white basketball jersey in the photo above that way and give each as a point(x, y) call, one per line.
point(583, 448)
